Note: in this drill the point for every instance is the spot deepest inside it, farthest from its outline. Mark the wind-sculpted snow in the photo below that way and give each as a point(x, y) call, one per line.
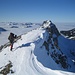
point(30, 56)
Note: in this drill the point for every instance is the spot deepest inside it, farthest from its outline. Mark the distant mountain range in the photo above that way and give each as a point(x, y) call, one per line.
point(69, 33)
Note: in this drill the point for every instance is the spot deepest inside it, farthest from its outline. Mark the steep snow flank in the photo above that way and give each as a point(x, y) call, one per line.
point(66, 44)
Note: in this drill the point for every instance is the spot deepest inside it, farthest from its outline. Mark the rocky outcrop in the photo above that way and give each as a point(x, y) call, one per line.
point(52, 46)
point(7, 69)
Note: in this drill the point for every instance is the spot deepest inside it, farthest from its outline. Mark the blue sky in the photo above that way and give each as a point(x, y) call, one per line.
point(37, 10)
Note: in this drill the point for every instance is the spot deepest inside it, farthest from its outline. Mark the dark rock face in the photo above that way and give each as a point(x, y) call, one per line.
point(54, 30)
point(7, 69)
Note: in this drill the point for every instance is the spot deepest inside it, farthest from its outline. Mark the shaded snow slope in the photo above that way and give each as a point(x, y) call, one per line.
point(29, 55)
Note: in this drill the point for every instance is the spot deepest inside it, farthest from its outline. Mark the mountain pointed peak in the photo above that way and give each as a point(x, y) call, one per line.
point(46, 23)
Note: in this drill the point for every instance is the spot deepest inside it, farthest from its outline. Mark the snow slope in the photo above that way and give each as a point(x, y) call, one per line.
point(29, 57)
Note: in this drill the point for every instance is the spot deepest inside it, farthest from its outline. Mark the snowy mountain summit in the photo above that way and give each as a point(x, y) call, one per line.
point(42, 51)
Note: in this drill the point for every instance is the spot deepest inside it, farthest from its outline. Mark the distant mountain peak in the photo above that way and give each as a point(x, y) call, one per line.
point(2, 29)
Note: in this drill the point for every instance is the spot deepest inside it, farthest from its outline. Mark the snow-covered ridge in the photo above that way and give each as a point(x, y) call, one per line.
point(36, 53)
